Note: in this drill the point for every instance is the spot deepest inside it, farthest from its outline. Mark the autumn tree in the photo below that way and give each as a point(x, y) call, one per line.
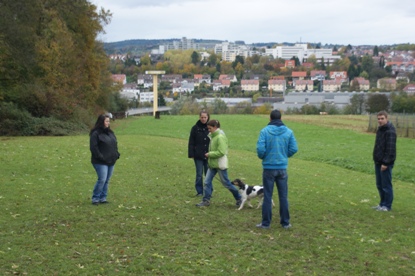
point(377, 102)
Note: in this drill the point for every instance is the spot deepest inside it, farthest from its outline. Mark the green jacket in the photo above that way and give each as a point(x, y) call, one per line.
point(218, 147)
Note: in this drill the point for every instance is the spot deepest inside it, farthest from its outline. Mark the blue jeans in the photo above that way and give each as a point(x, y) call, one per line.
point(280, 177)
point(384, 185)
point(104, 173)
point(223, 175)
point(201, 166)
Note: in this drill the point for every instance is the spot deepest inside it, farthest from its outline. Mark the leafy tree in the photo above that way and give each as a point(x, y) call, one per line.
point(238, 59)
point(219, 106)
point(377, 102)
point(367, 63)
point(357, 103)
point(376, 51)
point(195, 58)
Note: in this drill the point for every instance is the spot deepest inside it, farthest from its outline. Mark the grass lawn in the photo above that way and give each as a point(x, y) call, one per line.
point(152, 227)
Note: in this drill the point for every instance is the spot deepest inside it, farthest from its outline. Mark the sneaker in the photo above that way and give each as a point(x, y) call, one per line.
point(203, 203)
point(262, 226)
point(95, 203)
point(383, 209)
point(104, 202)
point(238, 202)
point(199, 194)
point(288, 226)
point(376, 207)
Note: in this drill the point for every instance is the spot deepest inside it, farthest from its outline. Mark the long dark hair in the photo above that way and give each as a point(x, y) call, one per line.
point(100, 124)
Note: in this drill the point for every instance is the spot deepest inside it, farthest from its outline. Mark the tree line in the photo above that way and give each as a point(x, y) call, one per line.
point(54, 70)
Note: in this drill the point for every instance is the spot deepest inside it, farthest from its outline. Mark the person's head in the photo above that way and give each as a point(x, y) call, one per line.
point(213, 125)
point(275, 115)
point(382, 118)
point(203, 116)
point(103, 122)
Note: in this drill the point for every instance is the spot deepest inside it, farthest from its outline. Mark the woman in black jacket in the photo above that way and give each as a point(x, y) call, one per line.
point(104, 154)
point(198, 146)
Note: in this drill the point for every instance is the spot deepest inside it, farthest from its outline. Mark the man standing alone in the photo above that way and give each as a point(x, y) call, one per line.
point(384, 155)
point(275, 144)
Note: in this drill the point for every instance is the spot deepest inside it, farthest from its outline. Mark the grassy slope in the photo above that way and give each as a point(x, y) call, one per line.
point(152, 227)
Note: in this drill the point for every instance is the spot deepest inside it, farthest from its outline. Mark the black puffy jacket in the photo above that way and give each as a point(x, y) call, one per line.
point(103, 146)
point(198, 141)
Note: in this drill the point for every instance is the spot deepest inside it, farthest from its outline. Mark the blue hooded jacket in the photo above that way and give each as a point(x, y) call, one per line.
point(276, 143)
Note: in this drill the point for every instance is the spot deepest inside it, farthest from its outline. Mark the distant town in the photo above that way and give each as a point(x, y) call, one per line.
point(286, 75)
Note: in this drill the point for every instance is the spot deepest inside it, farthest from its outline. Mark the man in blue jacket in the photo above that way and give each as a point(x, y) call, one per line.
point(276, 143)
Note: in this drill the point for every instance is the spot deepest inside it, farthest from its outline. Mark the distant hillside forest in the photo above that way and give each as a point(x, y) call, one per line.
point(54, 72)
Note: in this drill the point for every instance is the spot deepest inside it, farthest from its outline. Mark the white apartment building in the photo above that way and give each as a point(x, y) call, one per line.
point(229, 51)
point(183, 44)
point(302, 53)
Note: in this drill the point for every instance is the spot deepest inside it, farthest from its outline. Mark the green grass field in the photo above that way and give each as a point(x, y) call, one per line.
point(152, 227)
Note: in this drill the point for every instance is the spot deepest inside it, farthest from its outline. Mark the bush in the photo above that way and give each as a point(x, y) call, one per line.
point(18, 122)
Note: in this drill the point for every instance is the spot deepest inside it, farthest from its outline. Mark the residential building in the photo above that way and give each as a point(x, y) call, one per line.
point(130, 91)
point(364, 84)
point(303, 85)
point(277, 85)
point(290, 63)
point(232, 78)
point(408, 67)
point(332, 85)
point(172, 78)
point(144, 79)
point(183, 44)
point(339, 76)
point(300, 75)
point(386, 84)
point(302, 53)
point(250, 85)
point(317, 75)
point(410, 89)
point(199, 78)
point(120, 78)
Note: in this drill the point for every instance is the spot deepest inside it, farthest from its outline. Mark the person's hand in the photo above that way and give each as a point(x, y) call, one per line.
point(383, 168)
point(206, 154)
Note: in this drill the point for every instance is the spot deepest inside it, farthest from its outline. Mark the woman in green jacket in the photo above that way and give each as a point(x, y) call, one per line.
point(218, 164)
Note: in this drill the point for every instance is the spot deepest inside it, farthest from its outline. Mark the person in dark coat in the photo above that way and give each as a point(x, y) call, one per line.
point(104, 154)
point(198, 146)
point(384, 155)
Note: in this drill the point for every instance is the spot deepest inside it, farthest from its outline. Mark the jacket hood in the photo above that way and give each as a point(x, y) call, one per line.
point(276, 128)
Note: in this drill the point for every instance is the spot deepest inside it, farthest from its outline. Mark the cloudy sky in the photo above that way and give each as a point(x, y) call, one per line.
point(355, 22)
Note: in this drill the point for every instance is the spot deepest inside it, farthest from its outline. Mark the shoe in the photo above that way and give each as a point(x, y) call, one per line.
point(199, 194)
point(383, 209)
point(288, 226)
point(262, 226)
point(376, 207)
point(203, 203)
point(238, 202)
point(104, 202)
point(95, 203)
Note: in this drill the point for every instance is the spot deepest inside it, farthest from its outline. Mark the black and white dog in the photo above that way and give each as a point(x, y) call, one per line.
point(247, 192)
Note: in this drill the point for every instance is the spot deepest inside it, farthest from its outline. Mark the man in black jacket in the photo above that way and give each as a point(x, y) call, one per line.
point(198, 147)
point(384, 155)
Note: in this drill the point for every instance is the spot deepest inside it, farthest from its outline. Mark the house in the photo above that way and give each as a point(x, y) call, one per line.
point(146, 97)
point(183, 87)
point(130, 91)
point(277, 85)
point(144, 78)
point(402, 76)
point(410, 89)
point(408, 67)
point(308, 65)
point(332, 85)
point(120, 78)
point(199, 78)
point(318, 75)
point(364, 84)
point(232, 78)
point(386, 84)
point(339, 76)
point(300, 75)
point(172, 78)
point(303, 85)
point(290, 63)
point(250, 85)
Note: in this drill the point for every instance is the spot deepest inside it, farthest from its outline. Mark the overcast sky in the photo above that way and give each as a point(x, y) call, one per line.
point(355, 22)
